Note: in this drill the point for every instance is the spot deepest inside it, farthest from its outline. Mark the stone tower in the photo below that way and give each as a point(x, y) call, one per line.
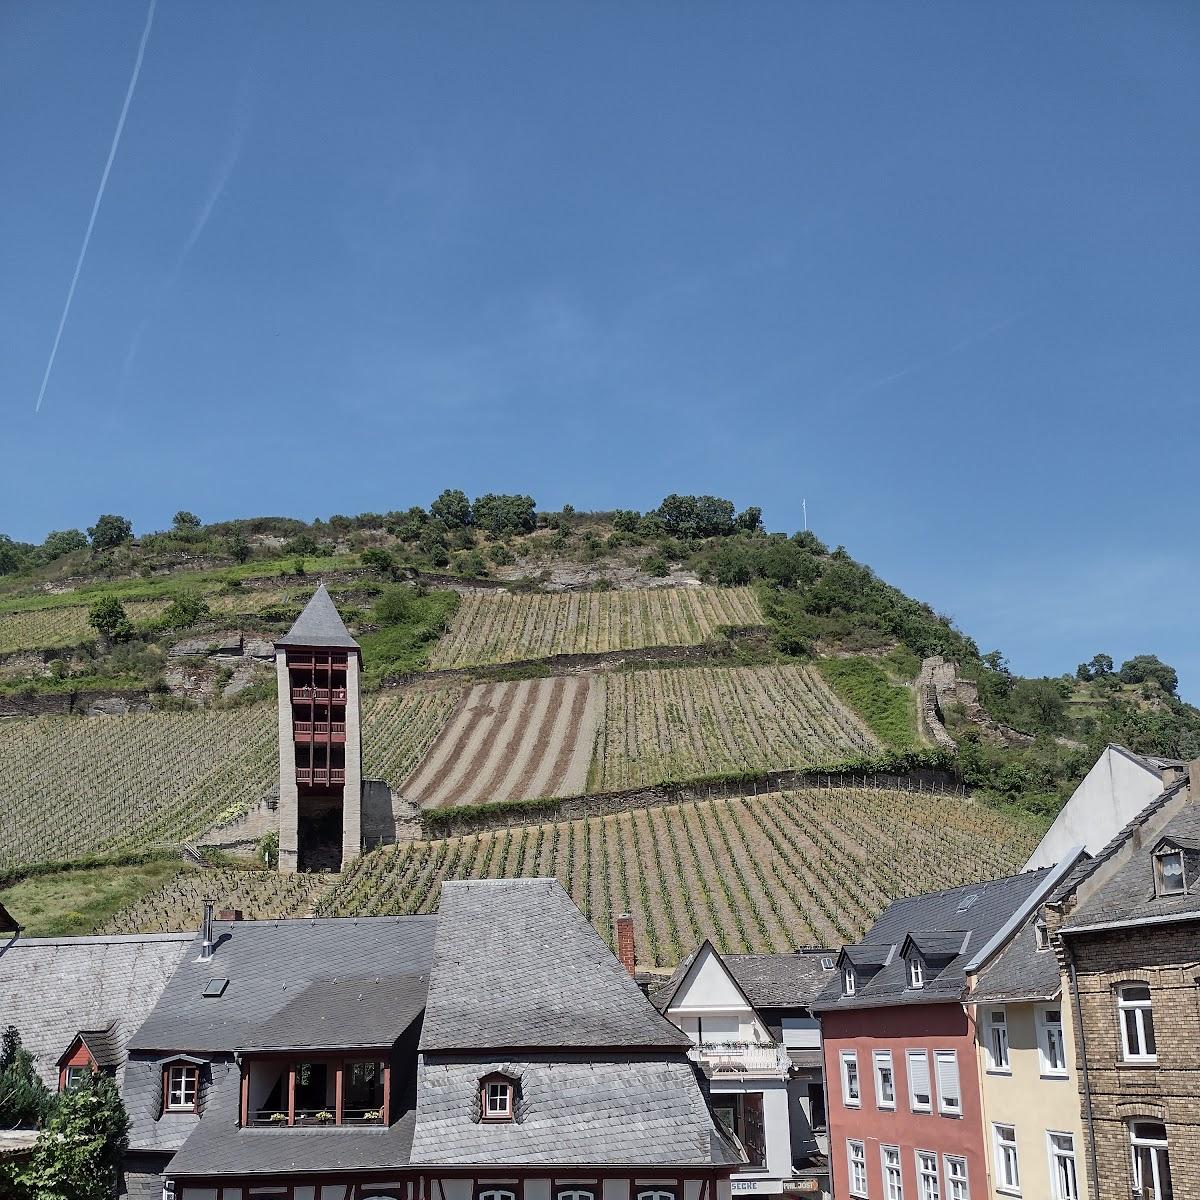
point(318, 665)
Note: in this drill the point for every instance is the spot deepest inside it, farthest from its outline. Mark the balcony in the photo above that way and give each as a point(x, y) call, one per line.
point(741, 1058)
point(332, 731)
point(320, 774)
point(337, 695)
point(274, 1118)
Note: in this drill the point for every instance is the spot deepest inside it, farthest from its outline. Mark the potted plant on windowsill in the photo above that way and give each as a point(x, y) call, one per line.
point(372, 1114)
point(278, 1118)
point(324, 1117)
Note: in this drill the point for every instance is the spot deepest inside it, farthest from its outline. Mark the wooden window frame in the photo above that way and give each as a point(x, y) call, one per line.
point(177, 1065)
point(510, 1088)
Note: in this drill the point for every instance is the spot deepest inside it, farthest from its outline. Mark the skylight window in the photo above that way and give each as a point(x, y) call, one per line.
point(215, 987)
point(827, 963)
point(967, 902)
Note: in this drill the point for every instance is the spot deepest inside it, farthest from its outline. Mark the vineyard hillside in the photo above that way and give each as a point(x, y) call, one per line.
point(512, 741)
point(759, 873)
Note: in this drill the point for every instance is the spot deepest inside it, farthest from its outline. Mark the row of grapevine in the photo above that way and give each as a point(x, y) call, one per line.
point(497, 627)
point(51, 628)
point(762, 873)
point(681, 724)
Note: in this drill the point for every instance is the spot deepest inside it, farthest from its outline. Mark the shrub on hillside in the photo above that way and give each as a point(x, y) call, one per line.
point(107, 617)
point(503, 516)
point(452, 508)
point(110, 530)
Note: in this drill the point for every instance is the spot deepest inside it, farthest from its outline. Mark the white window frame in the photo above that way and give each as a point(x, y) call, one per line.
point(846, 1058)
point(1041, 935)
point(997, 1037)
point(958, 1181)
point(893, 1175)
point(1150, 1188)
point(848, 981)
point(939, 1057)
point(1008, 1169)
point(1160, 874)
point(916, 974)
point(497, 1193)
point(881, 1060)
point(1055, 1155)
point(575, 1193)
point(929, 1182)
point(502, 1091)
point(909, 1056)
point(1140, 1010)
point(75, 1076)
point(856, 1162)
point(1046, 1031)
point(181, 1097)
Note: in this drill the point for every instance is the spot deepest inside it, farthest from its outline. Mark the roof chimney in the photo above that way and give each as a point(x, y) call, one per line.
point(1193, 769)
point(1172, 773)
point(229, 914)
point(206, 932)
point(626, 947)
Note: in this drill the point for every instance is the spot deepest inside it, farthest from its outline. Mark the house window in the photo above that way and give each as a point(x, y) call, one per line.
point(741, 1113)
point(1151, 1165)
point(856, 1157)
point(816, 1108)
point(916, 975)
point(1008, 1171)
point(1041, 935)
point(656, 1194)
point(183, 1083)
point(1169, 873)
point(363, 1092)
point(893, 1185)
point(920, 1098)
point(957, 1185)
point(885, 1080)
point(851, 1093)
point(497, 1100)
point(495, 1194)
point(949, 1089)
point(997, 1043)
point(74, 1076)
point(1137, 1023)
point(1051, 1048)
point(1064, 1183)
point(848, 981)
point(575, 1194)
point(928, 1183)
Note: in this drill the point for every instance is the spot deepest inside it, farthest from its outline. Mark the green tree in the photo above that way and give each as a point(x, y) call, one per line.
point(501, 515)
point(378, 559)
point(107, 617)
point(237, 546)
point(302, 543)
point(186, 609)
point(110, 530)
point(452, 508)
point(79, 1155)
point(185, 522)
point(1143, 668)
point(60, 542)
point(750, 519)
point(12, 557)
point(626, 520)
point(24, 1098)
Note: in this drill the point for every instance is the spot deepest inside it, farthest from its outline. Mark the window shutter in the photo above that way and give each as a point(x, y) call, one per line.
point(949, 1092)
point(918, 1073)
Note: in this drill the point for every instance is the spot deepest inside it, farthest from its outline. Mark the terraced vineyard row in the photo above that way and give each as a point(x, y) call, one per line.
point(673, 725)
point(71, 786)
point(764, 873)
point(499, 627)
point(49, 628)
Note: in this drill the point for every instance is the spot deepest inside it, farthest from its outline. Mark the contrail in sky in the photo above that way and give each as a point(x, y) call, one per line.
point(87, 237)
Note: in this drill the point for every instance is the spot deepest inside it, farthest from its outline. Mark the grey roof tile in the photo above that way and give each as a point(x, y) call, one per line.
point(517, 965)
point(1020, 971)
point(149, 1127)
point(781, 980)
point(572, 1111)
point(270, 966)
point(319, 624)
point(51, 989)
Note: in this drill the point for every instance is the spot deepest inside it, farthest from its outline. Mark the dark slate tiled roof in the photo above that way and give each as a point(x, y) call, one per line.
point(319, 625)
point(106, 1045)
point(1020, 971)
point(149, 1127)
point(270, 966)
point(936, 944)
point(216, 1146)
point(518, 966)
point(781, 980)
point(1129, 894)
point(869, 956)
point(575, 1111)
point(979, 910)
point(52, 988)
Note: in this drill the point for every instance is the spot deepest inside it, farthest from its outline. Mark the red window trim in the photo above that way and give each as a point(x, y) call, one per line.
point(497, 1118)
point(166, 1087)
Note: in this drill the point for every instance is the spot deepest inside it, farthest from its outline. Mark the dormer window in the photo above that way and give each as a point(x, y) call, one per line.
point(181, 1087)
point(496, 1098)
point(1041, 935)
point(916, 972)
point(1169, 873)
point(848, 981)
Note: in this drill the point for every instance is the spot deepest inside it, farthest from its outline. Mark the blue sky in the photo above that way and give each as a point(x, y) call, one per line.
point(932, 267)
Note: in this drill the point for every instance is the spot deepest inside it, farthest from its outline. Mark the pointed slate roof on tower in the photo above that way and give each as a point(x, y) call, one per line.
point(319, 625)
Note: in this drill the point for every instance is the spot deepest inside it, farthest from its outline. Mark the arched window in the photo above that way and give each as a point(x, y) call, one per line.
point(575, 1193)
point(656, 1194)
point(495, 1194)
point(1151, 1164)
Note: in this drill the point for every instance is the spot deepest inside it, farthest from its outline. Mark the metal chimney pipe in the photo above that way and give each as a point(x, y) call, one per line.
point(206, 932)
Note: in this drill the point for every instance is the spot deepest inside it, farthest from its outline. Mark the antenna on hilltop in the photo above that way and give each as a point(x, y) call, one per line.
point(804, 506)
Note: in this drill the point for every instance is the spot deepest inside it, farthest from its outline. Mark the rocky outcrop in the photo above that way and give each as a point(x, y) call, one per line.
point(929, 717)
point(940, 688)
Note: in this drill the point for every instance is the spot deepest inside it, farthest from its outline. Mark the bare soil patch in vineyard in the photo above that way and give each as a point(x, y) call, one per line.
point(510, 741)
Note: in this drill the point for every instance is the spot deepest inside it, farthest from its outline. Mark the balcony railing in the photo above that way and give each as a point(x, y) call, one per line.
point(741, 1058)
point(335, 729)
point(320, 774)
point(276, 1118)
point(337, 694)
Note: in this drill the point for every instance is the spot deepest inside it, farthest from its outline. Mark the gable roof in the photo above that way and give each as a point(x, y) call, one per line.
point(103, 1045)
point(1020, 971)
point(518, 966)
point(665, 995)
point(781, 980)
point(52, 988)
point(319, 624)
point(975, 913)
point(272, 967)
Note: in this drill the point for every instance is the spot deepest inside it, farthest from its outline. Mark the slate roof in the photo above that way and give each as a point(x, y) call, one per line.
point(319, 625)
point(978, 910)
point(270, 967)
point(572, 1110)
point(1129, 894)
point(781, 980)
point(937, 944)
point(216, 1146)
point(53, 988)
point(104, 1045)
point(1020, 971)
point(518, 966)
point(149, 1127)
